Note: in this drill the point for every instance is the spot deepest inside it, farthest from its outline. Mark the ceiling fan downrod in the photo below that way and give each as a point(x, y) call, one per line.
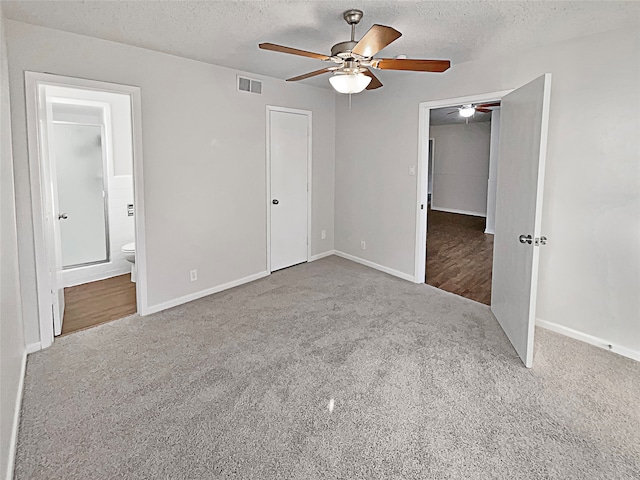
point(353, 17)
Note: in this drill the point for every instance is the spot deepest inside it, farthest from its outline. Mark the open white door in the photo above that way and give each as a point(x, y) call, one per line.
point(289, 154)
point(57, 284)
point(51, 215)
point(522, 152)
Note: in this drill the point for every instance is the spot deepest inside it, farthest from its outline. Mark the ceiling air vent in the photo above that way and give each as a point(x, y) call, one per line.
point(249, 85)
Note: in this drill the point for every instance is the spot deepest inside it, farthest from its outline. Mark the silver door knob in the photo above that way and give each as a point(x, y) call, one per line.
point(525, 239)
point(62, 216)
point(275, 202)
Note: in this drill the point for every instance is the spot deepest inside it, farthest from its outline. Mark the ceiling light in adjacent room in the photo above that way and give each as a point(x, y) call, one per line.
point(349, 83)
point(467, 111)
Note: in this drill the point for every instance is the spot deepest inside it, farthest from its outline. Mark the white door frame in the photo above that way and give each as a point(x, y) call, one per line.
point(423, 172)
point(33, 80)
point(308, 114)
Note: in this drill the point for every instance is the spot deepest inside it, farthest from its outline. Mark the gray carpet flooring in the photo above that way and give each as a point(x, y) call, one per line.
point(239, 385)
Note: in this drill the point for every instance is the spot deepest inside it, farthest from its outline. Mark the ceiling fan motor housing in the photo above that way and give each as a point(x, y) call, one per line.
point(343, 49)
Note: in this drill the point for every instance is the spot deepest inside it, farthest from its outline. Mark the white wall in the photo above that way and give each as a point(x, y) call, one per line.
point(204, 159)
point(461, 167)
point(493, 172)
point(119, 177)
point(590, 270)
point(12, 345)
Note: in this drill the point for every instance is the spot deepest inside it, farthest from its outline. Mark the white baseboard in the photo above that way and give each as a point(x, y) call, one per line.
point(78, 276)
point(13, 441)
point(34, 347)
point(203, 293)
point(322, 255)
point(590, 339)
point(463, 212)
point(490, 232)
point(382, 268)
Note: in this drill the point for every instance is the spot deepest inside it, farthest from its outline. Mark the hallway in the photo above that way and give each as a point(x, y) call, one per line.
point(459, 255)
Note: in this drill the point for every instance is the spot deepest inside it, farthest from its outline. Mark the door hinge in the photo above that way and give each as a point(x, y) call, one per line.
point(540, 241)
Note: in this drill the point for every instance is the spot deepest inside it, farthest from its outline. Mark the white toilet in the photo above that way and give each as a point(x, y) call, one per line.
point(129, 251)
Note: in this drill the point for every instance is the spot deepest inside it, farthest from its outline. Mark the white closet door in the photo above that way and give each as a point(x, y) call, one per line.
point(289, 152)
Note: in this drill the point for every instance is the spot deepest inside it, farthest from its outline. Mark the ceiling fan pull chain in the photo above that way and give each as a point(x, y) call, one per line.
point(349, 101)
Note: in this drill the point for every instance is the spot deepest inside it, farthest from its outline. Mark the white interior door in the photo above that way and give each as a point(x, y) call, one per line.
point(522, 152)
point(52, 212)
point(289, 154)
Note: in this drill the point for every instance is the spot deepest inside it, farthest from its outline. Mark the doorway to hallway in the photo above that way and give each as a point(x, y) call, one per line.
point(518, 200)
point(461, 173)
point(459, 255)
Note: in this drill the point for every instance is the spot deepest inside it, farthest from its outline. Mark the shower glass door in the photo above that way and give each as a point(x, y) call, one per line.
point(82, 198)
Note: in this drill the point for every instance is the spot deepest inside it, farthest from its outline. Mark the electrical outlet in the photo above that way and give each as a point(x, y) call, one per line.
point(412, 169)
point(363, 245)
point(194, 275)
point(323, 234)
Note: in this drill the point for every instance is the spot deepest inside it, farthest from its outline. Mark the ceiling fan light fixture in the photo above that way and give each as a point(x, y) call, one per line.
point(467, 111)
point(349, 83)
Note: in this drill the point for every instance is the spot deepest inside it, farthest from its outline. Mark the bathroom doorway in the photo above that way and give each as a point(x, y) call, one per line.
point(87, 166)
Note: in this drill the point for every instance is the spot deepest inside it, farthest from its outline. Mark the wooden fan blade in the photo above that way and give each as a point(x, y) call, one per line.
point(375, 83)
point(411, 64)
point(486, 105)
point(483, 110)
point(294, 51)
point(311, 74)
point(376, 38)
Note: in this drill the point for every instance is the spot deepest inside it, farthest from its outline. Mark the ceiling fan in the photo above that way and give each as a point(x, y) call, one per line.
point(354, 59)
point(469, 109)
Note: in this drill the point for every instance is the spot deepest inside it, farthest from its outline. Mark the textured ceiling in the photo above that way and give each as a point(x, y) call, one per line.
point(227, 33)
point(450, 116)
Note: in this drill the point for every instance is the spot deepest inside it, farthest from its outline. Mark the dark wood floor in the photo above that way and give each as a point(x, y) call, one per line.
point(99, 302)
point(459, 255)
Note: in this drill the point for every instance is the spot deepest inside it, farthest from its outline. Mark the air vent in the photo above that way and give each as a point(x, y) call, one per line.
point(256, 87)
point(249, 85)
